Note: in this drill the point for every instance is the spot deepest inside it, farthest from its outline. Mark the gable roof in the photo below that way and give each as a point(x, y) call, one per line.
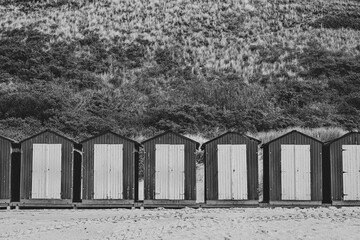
point(7, 139)
point(114, 133)
point(224, 134)
point(50, 131)
point(293, 131)
point(336, 139)
point(171, 132)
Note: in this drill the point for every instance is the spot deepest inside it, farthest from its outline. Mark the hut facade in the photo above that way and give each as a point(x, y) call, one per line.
point(5, 170)
point(342, 170)
point(231, 170)
point(109, 168)
point(170, 170)
point(293, 170)
point(46, 170)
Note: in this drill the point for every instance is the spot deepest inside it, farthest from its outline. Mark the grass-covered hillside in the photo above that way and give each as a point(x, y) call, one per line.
point(193, 66)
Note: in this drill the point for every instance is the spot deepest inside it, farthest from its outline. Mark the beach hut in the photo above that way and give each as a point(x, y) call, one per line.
point(170, 170)
point(46, 170)
point(231, 170)
point(5, 170)
point(109, 167)
point(293, 170)
point(342, 170)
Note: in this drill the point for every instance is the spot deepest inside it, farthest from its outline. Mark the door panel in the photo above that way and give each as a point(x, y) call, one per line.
point(302, 174)
point(287, 172)
point(176, 172)
point(224, 171)
point(162, 171)
point(295, 172)
point(170, 172)
point(46, 174)
point(108, 171)
point(100, 171)
point(351, 172)
point(54, 172)
point(232, 172)
point(239, 172)
point(115, 165)
point(38, 171)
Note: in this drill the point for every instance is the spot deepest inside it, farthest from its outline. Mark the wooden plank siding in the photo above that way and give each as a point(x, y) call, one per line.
point(211, 164)
point(46, 137)
point(130, 159)
point(272, 165)
point(5, 170)
point(334, 168)
point(190, 164)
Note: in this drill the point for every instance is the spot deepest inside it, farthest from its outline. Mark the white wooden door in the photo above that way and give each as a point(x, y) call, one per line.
point(46, 171)
point(287, 172)
point(295, 172)
point(176, 172)
point(169, 171)
point(351, 172)
point(239, 190)
point(232, 172)
point(108, 171)
point(303, 172)
point(161, 171)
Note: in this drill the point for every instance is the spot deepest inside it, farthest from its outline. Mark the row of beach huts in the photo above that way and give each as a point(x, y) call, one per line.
point(51, 170)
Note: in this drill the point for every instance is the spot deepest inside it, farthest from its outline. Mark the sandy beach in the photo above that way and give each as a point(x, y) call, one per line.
point(236, 223)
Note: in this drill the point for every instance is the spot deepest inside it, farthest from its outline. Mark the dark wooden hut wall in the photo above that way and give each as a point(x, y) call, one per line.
point(66, 163)
point(5, 166)
point(129, 149)
point(266, 174)
point(211, 165)
point(274, 158)
point(190, 165)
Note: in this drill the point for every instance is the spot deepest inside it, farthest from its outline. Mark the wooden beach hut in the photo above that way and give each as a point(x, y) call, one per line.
point(342, 170)
point(6, 150)
point(46, 170)
point(170, 171)
point(293, 170)
point(109, 170)
point(231, 170)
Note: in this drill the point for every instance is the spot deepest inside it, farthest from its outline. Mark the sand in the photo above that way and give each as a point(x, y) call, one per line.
point(237, 223)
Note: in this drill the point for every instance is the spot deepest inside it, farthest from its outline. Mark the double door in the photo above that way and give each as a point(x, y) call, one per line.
point(108, 171)
point(169, 172)
point(232, 172)
point(46, 171)
point(351, 172)
point(295, 172)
